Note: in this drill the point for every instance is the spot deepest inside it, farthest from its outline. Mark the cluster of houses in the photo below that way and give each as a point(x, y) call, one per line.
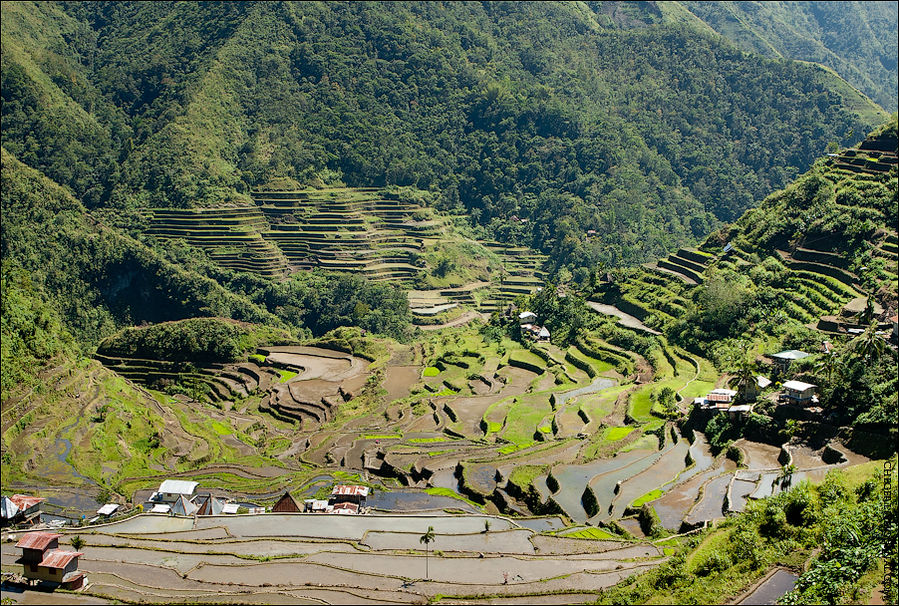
point(529, 328)
point(792, 392)
point(179, 497)
point(345, 499)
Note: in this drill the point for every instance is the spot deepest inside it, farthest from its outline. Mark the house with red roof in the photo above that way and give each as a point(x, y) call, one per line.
point(42, 560)
point(21, 508)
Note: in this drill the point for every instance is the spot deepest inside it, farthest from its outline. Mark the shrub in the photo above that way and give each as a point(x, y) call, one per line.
point(715, 562)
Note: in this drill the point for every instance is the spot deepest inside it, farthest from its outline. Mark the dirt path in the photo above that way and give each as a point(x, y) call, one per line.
point(682, 407)
point(624, 319)
point(465, 318)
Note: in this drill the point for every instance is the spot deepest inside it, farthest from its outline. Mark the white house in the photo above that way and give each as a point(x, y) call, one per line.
point(170, 490)
point(799, 392)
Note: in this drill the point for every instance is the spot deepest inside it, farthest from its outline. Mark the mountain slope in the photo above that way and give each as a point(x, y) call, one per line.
point(814, 262)
point(856, 39)
point(538, 111)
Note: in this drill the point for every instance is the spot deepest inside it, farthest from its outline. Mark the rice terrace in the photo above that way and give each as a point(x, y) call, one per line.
point(458, 303)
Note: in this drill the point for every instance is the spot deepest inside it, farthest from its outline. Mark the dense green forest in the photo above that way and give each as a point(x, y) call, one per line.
point(648, 132)
point(858, 40)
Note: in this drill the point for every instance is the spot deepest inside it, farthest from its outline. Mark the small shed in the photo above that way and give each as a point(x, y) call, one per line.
point(527, 316)
point(286, 504)
point(543, 334)
point(230, 508)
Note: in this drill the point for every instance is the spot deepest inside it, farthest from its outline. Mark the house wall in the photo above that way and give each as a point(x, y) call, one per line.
point(42, 573)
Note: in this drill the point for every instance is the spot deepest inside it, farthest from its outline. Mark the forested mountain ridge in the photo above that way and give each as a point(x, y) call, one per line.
point(537, 111)
point(856, 39)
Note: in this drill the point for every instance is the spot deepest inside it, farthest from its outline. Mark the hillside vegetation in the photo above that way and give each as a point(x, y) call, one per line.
point(540, 120)
point(814, 262)
point(864, 51)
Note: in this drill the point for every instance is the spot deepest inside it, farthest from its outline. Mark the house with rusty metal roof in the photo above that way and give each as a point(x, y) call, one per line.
point(346, 493)
point(21, 508)
point(43, 561)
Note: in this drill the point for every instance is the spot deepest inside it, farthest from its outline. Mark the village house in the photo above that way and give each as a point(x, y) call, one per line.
point(753, 391)
point(527, 316)
point(717, 398)
point(797, 392)
point(21, 508)
point(535, 333)
point(782, 360)
point(42, 560)
point(344, 493)
point(286, 504)
point(173, 496)
point(170, 490)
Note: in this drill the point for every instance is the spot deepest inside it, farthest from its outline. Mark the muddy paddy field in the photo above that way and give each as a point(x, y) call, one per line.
point(538, 468)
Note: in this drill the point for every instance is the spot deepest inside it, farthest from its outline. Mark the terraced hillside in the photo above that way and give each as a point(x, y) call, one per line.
point(363, 230)
point(824, 246)
point(230, 236)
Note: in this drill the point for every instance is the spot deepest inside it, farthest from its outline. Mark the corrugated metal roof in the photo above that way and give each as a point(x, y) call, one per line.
point(108, 509)
point(790, 354)
point(797, 385)
point(719, 397)
point(161, 508)
point(230, 508)
point(178, 487)
point(344, 490)
point(346, 508)
point(37, 540)
point(58, 558)
point(24, 501)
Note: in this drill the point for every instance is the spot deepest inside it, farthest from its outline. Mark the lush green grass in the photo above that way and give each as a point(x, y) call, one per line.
point(286, 375)
point(597, 534)
point(381, 436)
point(431, 371)
point(221, 428)
point(438, 491)
point(510, 448)
point(523, 417)
point(613, 434)
point(652, 495)
point(257, 358)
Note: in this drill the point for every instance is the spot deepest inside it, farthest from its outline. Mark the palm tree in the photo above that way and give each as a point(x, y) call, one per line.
point(869, 345)
point(827, 365)
point(426, 538)
point(743, 380)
